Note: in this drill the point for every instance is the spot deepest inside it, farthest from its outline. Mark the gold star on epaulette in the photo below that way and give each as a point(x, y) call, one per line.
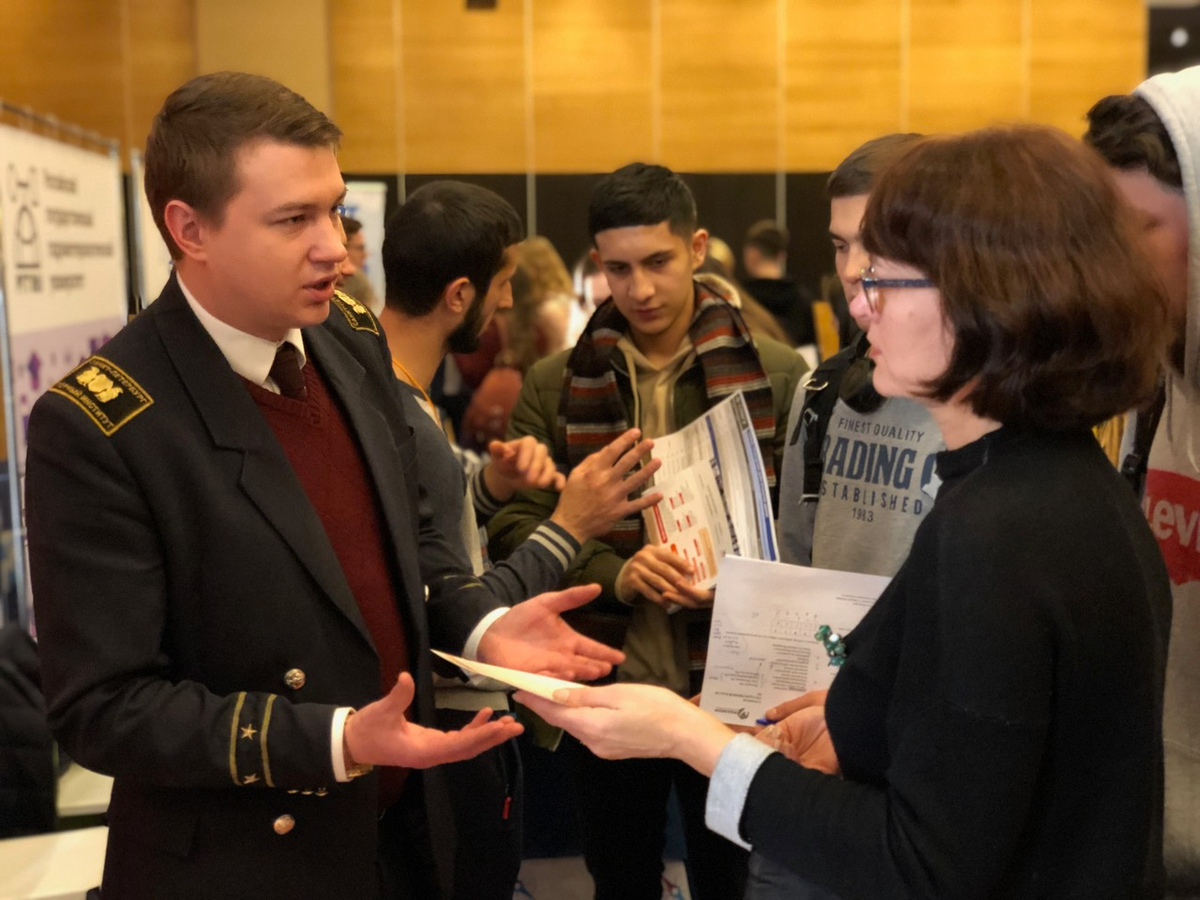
point(248, 732)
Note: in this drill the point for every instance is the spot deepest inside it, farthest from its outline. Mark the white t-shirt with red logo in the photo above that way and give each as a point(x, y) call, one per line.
point(1172, 504)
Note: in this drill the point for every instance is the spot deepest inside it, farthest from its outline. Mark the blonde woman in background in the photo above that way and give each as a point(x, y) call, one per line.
point(551, 290)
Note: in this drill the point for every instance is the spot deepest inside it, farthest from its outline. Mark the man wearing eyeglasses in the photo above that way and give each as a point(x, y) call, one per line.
point(858, 473)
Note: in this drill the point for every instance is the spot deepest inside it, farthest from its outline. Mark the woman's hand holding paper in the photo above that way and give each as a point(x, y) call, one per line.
point(801, 735)
point(622, 721)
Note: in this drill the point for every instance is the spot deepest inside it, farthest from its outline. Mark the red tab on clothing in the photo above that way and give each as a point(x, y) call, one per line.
point(1172, 507)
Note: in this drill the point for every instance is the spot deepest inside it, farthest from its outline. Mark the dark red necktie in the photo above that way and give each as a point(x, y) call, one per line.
point(286, 374)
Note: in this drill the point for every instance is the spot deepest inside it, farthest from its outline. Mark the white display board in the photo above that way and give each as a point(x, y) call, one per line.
point(64, 261)
point(65, 289)
point(366, 201)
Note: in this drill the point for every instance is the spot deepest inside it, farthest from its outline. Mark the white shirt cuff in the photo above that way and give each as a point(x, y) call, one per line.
point(338, 730)
point(471, 648)
point(336, 745)
point(730, 783)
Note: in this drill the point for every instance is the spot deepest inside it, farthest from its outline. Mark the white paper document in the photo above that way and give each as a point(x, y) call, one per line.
point(763, 648)
point(714, 486)
point(541, 685)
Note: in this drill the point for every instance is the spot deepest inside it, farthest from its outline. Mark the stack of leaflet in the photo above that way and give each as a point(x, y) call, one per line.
point(766, 644)
point(714, 486)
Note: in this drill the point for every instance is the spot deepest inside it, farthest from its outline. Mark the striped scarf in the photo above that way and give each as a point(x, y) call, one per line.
point(591, 413)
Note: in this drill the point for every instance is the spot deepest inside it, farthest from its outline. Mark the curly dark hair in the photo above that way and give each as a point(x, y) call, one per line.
point(1126, 131)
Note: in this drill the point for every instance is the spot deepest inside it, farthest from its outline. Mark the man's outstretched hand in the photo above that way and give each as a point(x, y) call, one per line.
point(597, 493)
point(533, 637)
point(381, 734)
point(519, 465)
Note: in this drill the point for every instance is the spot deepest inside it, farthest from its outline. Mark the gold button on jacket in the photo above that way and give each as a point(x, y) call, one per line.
point(295, 679)
point(284, 824)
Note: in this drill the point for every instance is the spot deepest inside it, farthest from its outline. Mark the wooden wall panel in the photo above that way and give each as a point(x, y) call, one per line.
point(558, 86)
point(1081, 51)
point(966, 64)
point(161, 56)
point(843, 78)
point(720, 85)
point(287, 40)
point(65, 57)
point(463, 88)
point(365, 58)
point(592, 84)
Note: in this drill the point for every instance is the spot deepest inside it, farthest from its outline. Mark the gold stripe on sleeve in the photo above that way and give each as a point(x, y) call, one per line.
point(263, 740)
point(233, 731)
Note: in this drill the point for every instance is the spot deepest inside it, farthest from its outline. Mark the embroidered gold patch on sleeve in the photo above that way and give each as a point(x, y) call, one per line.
point(359, 317)
point(104, 391)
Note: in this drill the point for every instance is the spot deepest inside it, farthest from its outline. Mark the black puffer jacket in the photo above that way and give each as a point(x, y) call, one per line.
point(27, 777)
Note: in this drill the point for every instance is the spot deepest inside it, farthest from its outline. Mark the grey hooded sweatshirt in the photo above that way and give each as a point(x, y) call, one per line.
point(1172, 503)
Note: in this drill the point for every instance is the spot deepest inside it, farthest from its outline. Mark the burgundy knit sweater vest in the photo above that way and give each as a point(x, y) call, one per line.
point(326, 459)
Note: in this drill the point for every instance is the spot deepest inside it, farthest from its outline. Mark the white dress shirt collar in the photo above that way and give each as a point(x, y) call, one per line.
point(249, 356)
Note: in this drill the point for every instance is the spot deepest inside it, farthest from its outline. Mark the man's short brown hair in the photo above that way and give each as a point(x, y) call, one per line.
point(192, 149)
point(1058, 321)
point(855, 174)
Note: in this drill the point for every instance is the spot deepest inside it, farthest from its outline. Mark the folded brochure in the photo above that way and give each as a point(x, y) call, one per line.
point(539, 685)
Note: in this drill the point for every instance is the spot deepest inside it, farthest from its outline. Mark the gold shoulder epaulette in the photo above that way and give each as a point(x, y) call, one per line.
point(105, 392)
point(359, 317)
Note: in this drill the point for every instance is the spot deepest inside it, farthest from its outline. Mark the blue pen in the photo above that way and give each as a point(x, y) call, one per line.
point(765, 721)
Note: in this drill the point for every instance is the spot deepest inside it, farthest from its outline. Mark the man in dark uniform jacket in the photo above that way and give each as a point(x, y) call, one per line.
point(224, 521)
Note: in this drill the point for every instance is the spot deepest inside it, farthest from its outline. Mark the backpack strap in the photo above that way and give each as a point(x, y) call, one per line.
point(821, 395)
point(1145, 424)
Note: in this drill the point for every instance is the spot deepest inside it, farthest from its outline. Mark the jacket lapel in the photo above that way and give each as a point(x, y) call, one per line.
point(235, 423)
point(378, 441)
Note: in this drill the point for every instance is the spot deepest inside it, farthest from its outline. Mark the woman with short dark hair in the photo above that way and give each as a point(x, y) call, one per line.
point(995, 730)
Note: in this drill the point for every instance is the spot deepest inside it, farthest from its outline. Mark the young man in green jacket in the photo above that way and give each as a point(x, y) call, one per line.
point(658, 355)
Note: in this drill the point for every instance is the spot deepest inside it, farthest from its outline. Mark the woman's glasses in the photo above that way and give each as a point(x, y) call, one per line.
point(871, 285)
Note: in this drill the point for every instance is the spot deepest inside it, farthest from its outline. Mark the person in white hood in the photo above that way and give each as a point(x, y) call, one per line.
point(1151, 139)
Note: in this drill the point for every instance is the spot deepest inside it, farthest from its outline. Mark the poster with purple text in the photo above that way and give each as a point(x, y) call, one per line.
point(64, 263)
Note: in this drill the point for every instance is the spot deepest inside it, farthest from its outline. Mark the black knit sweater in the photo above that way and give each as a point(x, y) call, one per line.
point(998, 721)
